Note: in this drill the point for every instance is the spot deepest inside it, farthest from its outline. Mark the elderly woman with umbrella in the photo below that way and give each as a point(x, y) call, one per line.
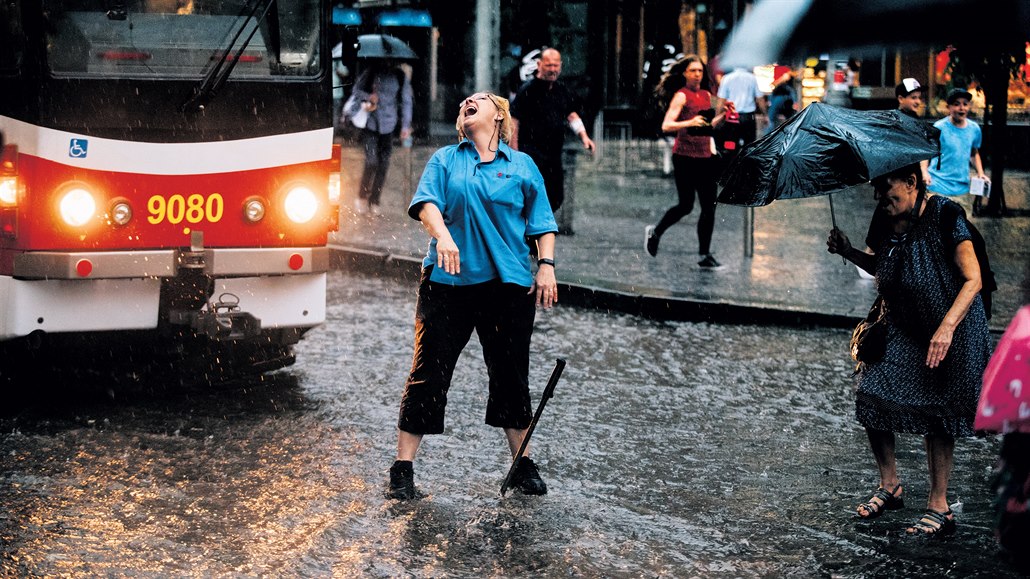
point(937, 342)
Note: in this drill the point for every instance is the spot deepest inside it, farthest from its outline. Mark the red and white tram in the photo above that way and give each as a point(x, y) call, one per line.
point(168, 175)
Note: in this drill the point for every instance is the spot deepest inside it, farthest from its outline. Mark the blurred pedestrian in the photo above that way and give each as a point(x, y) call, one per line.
point(960, 146)
point(384, 90)
point(740, 87)
point(937, 340)
point(910, 102)
point(1011, 485)
point(691, 116)
point(910, 97)
point(783, 99)
point(340, 75)
point(1011, 479)
point(483, 203)
point(542, 107)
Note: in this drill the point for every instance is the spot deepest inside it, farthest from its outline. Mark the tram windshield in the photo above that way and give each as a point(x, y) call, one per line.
point(183, 39)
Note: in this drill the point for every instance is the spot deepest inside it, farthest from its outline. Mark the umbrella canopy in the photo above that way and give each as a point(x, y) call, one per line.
point(782, 30)
point(823, 149)
point(1005, 397)
point(384, 46)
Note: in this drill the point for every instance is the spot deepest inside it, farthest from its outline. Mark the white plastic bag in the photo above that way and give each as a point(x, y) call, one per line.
point(355, 113)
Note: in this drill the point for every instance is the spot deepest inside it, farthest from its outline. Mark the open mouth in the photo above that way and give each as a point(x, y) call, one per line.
point(471, 110)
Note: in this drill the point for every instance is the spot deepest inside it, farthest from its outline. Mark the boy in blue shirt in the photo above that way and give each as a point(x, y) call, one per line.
point(960, 144)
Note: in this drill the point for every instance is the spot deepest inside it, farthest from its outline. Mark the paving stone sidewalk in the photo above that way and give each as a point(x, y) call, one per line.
point(789, 278)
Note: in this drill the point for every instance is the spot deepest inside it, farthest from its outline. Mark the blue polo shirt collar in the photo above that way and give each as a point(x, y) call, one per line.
point(502, 148)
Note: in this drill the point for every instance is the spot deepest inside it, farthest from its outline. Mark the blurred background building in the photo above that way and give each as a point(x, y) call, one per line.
point(614, 52)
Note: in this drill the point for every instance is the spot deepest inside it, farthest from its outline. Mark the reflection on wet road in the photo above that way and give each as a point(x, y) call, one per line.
point(670, 450)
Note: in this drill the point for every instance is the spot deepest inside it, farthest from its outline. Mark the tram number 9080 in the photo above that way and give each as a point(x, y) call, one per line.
point(191, 209)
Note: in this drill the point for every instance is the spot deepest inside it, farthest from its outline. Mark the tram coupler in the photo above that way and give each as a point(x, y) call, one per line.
point(226, 325)
point(222, 320)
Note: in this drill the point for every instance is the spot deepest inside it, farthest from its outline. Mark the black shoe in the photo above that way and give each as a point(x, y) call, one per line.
point(650, 241)
point(709, 262)
point(527, 479)
point(402, 481)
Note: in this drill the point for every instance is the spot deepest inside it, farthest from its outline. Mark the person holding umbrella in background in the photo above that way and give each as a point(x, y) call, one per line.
point(383, 89)
point(937, 342)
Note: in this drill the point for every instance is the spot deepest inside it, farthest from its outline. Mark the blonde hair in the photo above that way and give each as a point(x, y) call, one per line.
point(504, 107)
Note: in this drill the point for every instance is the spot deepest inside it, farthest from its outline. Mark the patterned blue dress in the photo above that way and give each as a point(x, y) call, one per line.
point(918, 279)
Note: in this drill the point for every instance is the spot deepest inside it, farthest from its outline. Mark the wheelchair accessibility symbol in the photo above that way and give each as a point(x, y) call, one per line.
point(77, 148)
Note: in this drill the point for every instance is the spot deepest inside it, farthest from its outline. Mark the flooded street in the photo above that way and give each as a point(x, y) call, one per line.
point(669, 450)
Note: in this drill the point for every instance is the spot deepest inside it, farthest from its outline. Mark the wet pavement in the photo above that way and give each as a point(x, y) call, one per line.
point(790, 278)
point(671, 449)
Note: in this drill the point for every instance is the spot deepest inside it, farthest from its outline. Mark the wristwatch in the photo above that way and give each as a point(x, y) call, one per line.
point(545, 261)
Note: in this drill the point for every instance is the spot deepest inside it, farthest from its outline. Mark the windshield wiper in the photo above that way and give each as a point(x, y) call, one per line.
point(216, 77)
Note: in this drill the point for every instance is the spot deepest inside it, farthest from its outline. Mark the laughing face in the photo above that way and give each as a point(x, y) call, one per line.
point(959, 109)
point(477, 107)
point(479, 112)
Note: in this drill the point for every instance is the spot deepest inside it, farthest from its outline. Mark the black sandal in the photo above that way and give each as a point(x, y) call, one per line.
point(889, 501)
point(933, 524)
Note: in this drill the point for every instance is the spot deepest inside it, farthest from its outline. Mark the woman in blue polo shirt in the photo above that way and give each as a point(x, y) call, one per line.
point(480, 201)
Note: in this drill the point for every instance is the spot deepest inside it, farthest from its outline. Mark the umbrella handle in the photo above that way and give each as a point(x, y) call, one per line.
point(833, 220)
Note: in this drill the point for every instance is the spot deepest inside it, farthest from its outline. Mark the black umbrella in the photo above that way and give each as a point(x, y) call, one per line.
point(824, 149)
point(384, 46)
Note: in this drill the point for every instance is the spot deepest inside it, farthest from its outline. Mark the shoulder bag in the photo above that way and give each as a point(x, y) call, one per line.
point(869, 339)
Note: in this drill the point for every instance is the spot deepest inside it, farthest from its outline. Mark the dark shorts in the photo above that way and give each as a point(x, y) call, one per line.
point(445, 316)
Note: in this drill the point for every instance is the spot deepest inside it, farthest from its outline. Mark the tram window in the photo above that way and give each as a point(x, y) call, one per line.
point(12, 37)
point(181, 38)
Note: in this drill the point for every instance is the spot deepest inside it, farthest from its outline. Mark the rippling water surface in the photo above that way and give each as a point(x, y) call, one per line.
point(670, 450)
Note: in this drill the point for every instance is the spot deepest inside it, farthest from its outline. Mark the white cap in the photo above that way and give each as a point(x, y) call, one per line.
point(907, 86)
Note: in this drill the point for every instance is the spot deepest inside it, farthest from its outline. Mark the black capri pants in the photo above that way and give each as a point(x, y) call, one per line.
point(502, 315)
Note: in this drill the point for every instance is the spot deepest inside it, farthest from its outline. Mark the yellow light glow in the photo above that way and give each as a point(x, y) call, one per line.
point(77, 207)
point(9, 190)
point(334, 188)
point(301, 204)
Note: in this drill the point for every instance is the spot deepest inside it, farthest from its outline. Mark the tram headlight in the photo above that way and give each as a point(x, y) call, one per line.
point(301, 204)
point(253, 210)
point(77, 207)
